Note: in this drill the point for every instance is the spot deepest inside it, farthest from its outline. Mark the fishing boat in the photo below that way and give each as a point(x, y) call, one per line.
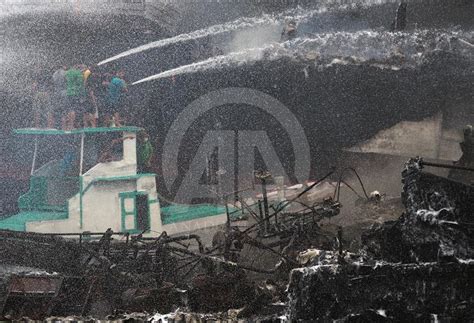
point(73, 189)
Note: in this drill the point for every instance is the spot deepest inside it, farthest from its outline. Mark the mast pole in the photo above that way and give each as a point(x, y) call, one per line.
point(81, 182)
point(35, 153)
point(82, 154)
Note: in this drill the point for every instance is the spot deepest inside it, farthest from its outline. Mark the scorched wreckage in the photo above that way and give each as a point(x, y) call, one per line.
point(98, 232)
point(410, 269)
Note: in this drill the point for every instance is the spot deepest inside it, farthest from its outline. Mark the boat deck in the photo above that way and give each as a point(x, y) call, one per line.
point(18, 221)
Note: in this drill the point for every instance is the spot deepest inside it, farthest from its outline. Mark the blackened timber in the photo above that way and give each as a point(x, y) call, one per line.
point(425, 163)
point(230, 264)
point(404, 292)
point(290, 201)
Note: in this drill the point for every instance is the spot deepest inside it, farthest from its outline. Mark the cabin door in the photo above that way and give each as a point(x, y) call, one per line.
point(135, 212)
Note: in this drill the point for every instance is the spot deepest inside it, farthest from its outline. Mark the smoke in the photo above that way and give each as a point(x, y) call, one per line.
point(254, 38)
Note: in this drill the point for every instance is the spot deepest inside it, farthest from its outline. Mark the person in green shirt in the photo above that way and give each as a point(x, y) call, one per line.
point(144, 153)
point(75, 96)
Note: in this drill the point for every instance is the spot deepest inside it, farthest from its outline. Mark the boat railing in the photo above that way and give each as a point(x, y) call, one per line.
point(49, 193)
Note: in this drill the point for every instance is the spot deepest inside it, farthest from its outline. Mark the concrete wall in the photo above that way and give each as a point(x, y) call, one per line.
point(437, 137)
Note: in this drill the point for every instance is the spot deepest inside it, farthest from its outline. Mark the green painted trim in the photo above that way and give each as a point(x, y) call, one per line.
point(175, 213)
point(46, 132)
point(117, 178)
point(55, 177)
point(121, 178)
point(35, 198)
point(45, 208)
point(124, 213)
point(153, 201)
point(19, 221)
point(132, 193)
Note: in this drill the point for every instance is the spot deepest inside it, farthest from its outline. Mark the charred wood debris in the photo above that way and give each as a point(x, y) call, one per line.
point(417, 268)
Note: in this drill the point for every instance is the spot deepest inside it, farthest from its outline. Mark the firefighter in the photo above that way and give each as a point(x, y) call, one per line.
point(289, 32)
point(467, 158)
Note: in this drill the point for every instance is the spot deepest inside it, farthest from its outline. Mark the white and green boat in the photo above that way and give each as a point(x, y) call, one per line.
point(81, 194)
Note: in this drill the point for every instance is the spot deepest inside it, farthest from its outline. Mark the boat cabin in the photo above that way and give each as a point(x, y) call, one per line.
point(86, 180)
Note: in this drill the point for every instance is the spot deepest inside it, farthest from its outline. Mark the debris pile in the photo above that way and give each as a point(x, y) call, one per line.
point(438, 221)
point(97, 274)
point(416, 268)
point(388, 291)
